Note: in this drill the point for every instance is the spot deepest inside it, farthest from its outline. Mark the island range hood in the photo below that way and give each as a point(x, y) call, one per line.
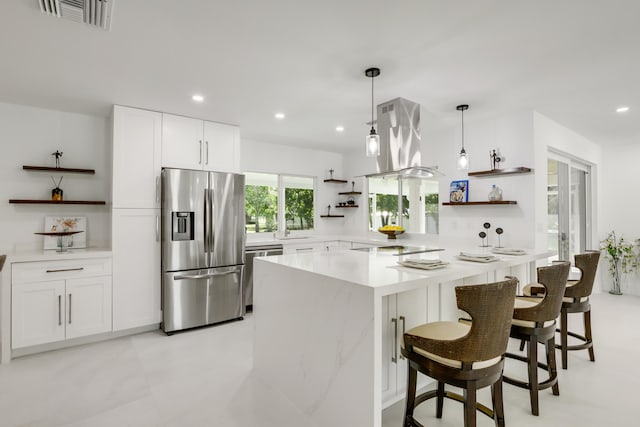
point(399, 129)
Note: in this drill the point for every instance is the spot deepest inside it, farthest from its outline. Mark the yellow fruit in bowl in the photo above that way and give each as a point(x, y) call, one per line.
point(391, 228)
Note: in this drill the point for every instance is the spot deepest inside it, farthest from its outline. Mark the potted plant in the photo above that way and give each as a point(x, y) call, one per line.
point(622, 258)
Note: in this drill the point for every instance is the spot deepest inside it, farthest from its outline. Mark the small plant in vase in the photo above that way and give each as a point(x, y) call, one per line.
point(622, 258)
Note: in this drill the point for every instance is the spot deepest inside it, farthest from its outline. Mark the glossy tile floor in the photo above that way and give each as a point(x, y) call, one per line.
point(203, 378)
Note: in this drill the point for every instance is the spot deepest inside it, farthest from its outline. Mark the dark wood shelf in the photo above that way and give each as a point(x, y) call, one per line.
point(56, 202)
point(494, 172)
point(336, 181)
point(351, 193)
point(499, 202)
point(347, 206)
point(49, 169)
point(331, 216)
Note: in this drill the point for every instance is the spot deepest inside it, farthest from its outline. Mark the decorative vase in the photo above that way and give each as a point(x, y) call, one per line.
point(56, 194)
point(616, 278)
point(495, 194)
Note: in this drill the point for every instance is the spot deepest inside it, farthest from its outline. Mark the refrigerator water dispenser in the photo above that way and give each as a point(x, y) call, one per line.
point(182, 226)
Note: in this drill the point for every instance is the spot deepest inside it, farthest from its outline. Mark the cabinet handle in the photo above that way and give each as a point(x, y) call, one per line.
point(157, 228)
point(394, 353)
point(303, 249)
point(200, 161)
point(157, 189)
point(402, 319)
point(206, 158)
point(65, 269)
point(59, 310)
point(69, 308)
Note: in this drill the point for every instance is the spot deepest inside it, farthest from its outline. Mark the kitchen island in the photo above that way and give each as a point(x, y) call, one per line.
point(328, 324)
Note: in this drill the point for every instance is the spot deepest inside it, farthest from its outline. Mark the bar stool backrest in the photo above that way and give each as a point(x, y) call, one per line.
point(587, 262)
point(554, 280)
point(2, 260)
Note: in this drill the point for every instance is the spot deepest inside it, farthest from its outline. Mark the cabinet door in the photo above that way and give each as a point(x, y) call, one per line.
point(136, 158)
point(37, 313)
point(88, 306)
point(136, 268)
point(390, 350)
point(182, 142)
point(412, 311)
point(221, 147)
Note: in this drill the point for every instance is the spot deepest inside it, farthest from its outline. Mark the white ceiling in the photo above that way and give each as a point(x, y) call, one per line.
point(573, 60)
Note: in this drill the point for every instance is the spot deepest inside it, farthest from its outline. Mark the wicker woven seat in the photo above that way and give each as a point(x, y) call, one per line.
point(536, 323)
point(576, 300)
point(469, 356)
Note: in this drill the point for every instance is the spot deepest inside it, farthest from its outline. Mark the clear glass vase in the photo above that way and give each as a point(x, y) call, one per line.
point(616, 278)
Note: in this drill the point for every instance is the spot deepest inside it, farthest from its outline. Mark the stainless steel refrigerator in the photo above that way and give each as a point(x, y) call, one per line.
point(203, 237)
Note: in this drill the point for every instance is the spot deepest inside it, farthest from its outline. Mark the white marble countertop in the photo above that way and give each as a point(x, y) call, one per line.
point(382, 272)
point(52, 255)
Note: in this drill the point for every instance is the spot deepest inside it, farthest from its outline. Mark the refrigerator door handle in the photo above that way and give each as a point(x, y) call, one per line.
point(212, 234)
point(203, 276)
point(206, 224)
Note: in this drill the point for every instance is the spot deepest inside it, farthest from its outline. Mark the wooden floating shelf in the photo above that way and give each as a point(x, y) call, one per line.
point(331, 216)
point(49, 169)
point(509, 171)
point(347, 206)
point(351, 193)
point(499, 202)
point(57, 202)
point(337, 181)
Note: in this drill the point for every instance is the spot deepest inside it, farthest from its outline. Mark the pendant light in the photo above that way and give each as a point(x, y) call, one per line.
point(463, 157)
point(372, 142)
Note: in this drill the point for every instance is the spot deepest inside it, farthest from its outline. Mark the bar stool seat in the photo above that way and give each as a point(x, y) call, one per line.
point(469, 356)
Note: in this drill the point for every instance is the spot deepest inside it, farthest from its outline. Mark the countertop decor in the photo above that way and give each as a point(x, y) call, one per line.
point(623, 258)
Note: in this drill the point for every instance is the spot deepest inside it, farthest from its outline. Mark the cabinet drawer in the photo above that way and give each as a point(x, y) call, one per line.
point(39, 271)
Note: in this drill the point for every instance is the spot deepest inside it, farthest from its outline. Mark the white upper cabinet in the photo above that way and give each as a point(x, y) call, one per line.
point(137, 145)
point(196, 144)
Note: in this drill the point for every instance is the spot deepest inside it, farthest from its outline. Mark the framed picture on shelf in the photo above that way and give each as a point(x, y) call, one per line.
point(67, 223)
point(459, 191)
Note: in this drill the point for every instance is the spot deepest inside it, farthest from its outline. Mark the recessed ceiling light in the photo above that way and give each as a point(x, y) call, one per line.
point(279, 116)
point(198, 98)
point(622, 109)
point(339, 128)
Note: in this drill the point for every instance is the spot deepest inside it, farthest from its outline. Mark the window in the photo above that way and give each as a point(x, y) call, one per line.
point(409, 202)
point(278, 202)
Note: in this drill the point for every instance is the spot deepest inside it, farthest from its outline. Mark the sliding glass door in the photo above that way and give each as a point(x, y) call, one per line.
point(569, 199)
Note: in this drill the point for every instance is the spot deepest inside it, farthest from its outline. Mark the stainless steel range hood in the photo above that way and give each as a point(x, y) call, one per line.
point(399, 129)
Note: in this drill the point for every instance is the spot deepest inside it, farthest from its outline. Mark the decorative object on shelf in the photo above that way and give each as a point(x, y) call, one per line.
point(372, 142)
point(58, 156)
point(486, 226)
point(459, 191)
point(496, 158)
point(353, 186)
point(331, 171)
point(56, 193)
point(463, 157)
point(495, 194)
point(328, 215)
point(351, 201)
point(483, 235)
point(64, 239)
point(499, 232)
point(391, 231)
point(332, 179)
point(56, 224)
point(622, 256)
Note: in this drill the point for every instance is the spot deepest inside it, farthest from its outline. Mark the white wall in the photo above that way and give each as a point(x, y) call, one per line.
point(258, 156)
point(29, 136)
point(619, 203)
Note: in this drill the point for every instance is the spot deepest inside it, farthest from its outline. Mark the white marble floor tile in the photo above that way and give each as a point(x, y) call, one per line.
point(204, 378)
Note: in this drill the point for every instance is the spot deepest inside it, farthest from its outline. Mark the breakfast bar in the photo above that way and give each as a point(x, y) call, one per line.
point(328, 324)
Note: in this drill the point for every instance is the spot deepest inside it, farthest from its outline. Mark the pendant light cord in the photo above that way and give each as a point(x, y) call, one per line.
point(462, 111)
point(372, 77)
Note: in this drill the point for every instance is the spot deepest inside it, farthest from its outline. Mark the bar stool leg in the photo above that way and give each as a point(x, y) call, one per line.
point(564, 337)
point(412, 379)
point(470, 405)
point(532, 350)
point(587, 334)
point(440, 400)
point(497, 401)
point(550, 347)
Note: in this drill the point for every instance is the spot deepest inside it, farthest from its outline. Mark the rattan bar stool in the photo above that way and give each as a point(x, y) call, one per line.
point(534, 321)
point(576, 300)
point(469, 356)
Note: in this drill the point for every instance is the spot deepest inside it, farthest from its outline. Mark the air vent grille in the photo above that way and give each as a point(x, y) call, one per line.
point(92, 12)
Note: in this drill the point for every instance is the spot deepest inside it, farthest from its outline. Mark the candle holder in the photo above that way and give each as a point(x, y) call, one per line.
point(483, 235)
point(499, 232)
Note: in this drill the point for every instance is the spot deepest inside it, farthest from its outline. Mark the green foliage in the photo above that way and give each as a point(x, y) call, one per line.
point(261, 205)
point(298, 204)
point(619, 252)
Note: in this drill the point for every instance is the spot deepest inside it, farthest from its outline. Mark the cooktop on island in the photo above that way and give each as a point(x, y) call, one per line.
point(398, 250)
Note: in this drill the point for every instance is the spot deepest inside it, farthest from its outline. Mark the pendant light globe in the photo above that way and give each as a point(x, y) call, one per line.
point(372, 141)
point(463, 157)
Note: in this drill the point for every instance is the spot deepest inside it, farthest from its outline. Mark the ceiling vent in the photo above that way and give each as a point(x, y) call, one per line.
point(92, 12)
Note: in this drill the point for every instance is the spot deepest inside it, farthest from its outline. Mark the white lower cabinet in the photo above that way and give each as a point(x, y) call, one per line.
point(400, 312)
point(57, 300)
point(136, 268)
